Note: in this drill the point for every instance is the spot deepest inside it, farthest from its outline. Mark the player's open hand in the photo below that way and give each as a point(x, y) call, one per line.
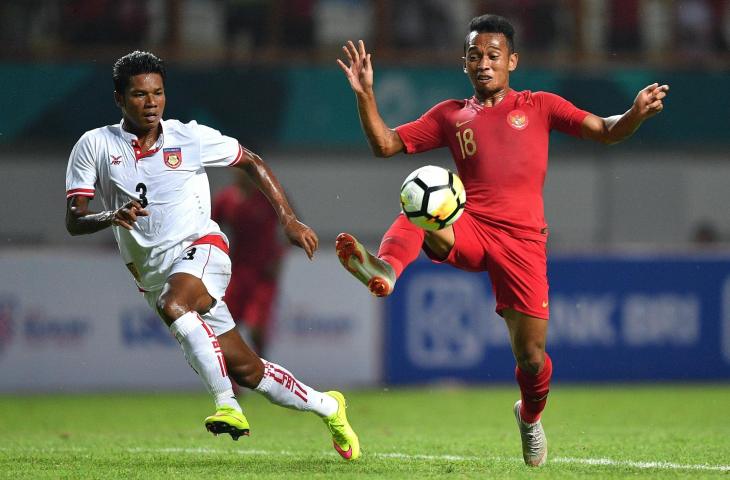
point(360, 70)
point(302, 236)
point(127, 215)
point(649, 101)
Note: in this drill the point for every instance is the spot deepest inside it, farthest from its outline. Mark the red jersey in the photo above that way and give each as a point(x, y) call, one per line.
point(501, 153)
point(252, 224)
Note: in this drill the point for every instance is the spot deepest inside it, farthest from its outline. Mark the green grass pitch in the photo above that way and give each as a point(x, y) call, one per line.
point(664, 431)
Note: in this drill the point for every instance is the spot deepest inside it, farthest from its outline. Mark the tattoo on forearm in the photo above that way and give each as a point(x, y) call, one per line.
point(101, 217)
point(94, 222)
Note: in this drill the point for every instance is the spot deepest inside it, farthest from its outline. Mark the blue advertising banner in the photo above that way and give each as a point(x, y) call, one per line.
point(613, 318)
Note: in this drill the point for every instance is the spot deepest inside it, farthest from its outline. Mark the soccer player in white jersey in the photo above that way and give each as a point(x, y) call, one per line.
point(149, 174)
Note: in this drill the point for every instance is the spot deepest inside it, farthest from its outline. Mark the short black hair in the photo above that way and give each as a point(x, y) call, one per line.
point(489, 23)
point(135, 63)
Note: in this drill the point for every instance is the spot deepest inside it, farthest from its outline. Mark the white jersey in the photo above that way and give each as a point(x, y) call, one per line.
point(169, 180)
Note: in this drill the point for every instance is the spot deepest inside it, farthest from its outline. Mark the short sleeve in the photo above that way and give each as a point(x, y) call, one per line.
point(216, 149)
point(81, 171)
point(425, 133)
point(563, 116)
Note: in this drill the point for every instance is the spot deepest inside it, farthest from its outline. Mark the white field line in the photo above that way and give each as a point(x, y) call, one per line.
point(644, 465)
point(403, 456)
point(462, 458)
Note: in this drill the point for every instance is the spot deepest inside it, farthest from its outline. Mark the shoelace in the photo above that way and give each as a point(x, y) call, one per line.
point(335, 429)
point(534, 439)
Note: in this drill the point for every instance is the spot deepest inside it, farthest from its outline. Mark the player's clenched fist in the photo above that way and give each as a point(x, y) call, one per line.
point(127, 215)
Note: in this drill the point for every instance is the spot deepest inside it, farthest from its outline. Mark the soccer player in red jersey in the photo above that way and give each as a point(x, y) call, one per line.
point(498, 139)
point(256, 254)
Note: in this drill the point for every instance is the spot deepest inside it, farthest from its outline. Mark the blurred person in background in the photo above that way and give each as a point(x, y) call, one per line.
point(623, 30)
point(256, 254)
point(705, 233)
point(694, 28)
point(498, 139)
point(246, 26)
point(92, 22)
point(150, 176)
point(297, 23)
point(422, 23)
point(538, 20)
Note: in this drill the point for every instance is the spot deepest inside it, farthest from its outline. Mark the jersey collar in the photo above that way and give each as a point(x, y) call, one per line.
point(478, 106)
point(131, 139)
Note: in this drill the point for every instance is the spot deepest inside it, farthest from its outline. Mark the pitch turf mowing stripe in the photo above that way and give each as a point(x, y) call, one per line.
point(403, 456)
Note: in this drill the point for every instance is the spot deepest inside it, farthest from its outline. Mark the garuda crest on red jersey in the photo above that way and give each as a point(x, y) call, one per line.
point(517, 119)
point(172, 156)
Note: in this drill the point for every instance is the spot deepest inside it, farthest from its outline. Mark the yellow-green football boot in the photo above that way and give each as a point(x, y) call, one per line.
point(344, 438)
point(227, 420)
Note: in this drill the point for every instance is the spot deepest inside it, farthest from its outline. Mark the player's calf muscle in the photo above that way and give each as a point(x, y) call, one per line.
point(244, 366)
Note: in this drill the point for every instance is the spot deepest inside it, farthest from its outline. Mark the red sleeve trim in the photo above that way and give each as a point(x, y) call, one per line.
point(81, 192)
point(238, 157)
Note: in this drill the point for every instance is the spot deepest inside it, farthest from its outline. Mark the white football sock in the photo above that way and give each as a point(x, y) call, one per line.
point(281, 388)
point(205, 356)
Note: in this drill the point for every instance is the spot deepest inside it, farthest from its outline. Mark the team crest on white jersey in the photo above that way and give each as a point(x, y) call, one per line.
point(172, 156)
point(517, 119)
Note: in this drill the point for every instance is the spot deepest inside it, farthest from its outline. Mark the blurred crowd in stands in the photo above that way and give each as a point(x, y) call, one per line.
point(671, 33)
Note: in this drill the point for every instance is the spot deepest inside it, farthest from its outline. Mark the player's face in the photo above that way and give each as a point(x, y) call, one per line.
point(143, 101)
point(488, 63)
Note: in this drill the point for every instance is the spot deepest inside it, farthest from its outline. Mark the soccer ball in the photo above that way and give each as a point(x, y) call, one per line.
point(432, 197)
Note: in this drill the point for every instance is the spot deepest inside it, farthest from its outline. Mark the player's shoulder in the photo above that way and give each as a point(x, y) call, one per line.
point(541, 100)
point(445, 107)
point(96, 138)
point(191, 129)
point(177, 127)
point(100, 132)
point(451, 104)
point(540, 96)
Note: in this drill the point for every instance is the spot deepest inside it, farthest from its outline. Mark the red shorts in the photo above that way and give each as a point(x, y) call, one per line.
point(517, 267)
point(250, 298)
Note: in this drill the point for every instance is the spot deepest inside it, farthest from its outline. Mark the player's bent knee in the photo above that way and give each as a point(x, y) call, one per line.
point(170, 309)
point(531, 360)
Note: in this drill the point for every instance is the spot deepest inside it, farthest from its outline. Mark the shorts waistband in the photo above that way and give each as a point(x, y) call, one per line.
point(212, 239)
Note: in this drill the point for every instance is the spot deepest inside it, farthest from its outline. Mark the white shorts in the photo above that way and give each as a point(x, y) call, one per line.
point(213, 267)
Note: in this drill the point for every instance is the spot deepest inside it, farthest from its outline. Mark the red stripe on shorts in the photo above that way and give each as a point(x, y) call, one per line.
point(212, 239)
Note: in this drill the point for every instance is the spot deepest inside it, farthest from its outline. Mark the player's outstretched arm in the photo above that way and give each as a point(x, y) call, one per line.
point(298, 233)
point(384, 141)
point(81, 221)
point(648, 103)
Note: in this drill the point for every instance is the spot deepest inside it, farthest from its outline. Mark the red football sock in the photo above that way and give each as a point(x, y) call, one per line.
point(534, 390)
point(401, 244)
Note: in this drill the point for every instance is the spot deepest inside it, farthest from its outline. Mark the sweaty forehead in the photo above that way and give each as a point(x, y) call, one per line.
point(487, 40)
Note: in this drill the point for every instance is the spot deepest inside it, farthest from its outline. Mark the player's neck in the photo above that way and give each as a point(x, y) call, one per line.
point(145, 138)
point(493, 98)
